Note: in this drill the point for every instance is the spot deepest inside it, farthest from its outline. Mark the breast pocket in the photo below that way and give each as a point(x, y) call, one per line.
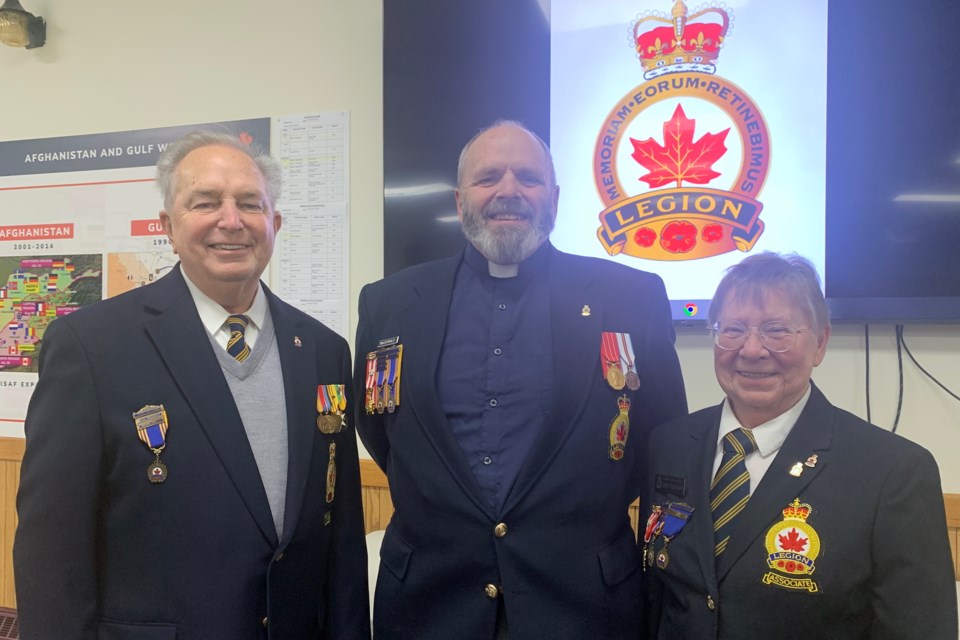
point(112, 630)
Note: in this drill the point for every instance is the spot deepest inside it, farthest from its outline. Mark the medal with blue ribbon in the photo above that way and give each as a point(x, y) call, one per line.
point(674, 518)
point(152, 425)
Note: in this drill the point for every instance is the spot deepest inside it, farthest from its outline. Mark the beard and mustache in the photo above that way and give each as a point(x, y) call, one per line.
point(506, 244)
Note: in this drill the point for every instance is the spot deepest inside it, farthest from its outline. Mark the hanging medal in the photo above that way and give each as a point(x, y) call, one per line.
point(620, 429)
point(338, 400)
point(631, 378)
point(325, 422)
point(370, 402)
point(395, 356)
point(152, 425)
point(380, 403)
point(610, 360)
point(332, 472)
point(675, 518)
point(650, 533)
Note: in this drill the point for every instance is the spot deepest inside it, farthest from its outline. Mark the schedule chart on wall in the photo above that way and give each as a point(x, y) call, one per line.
point(310, 263)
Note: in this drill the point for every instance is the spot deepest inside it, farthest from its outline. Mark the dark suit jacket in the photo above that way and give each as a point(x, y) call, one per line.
point(568, 565)
point(883, 569)
point(102, 553)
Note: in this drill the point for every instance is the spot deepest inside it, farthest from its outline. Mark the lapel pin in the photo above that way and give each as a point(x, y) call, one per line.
point(585, 311)
point(296, 341)
point(796, 469)
point(811, 461)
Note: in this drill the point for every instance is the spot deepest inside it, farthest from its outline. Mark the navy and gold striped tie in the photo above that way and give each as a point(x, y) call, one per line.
point(730, 490)
point(236, 345)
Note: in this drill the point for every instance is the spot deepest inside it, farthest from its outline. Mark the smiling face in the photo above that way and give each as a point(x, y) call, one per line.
point(760, 384)
point(507, 199)
point(222, 224)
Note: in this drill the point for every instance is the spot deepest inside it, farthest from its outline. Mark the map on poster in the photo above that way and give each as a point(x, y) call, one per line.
point(35, 290)
point(78, 223)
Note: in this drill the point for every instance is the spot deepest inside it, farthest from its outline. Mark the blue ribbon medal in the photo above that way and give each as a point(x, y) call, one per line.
point(152, 425)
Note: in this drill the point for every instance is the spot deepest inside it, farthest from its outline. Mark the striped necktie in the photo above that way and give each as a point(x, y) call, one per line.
point(236, 345)
point(730, 490)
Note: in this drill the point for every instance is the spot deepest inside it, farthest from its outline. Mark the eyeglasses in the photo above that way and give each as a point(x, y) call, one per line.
point(774, 336)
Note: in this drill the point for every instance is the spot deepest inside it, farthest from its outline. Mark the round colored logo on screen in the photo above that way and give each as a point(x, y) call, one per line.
point(690, 309)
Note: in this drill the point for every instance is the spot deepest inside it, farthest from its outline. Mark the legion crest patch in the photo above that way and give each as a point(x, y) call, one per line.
point(792, 546)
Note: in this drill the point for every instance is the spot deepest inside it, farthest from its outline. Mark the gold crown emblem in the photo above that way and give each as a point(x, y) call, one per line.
point(797, 511)
point(688, 43)
point(624, 403)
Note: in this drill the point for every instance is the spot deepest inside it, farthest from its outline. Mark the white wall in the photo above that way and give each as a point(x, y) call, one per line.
point(128, 64)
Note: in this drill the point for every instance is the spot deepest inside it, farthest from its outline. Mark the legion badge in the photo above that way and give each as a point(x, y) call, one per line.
point(620, 429)
point(152, 425)
point(686, 209)
point(792, 546)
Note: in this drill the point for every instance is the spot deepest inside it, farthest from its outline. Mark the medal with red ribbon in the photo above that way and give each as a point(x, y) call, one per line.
point(370, 398)
point(650, 533)
point(610, 360)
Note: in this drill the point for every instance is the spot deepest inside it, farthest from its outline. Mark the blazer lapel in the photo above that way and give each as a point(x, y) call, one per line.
point(699, 458)
point(182, 343)
point(812, 434)
point(298, 365)
point(575, 359)
point(422, 329)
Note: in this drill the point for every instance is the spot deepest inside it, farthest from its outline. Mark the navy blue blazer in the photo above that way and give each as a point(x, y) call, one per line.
point(567, 565)
point(101, 553)
point(876, 537)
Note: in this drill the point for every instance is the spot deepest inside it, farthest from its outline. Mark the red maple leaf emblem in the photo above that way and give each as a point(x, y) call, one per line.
point(245, 138)
point(793, 541)
point(679, 158)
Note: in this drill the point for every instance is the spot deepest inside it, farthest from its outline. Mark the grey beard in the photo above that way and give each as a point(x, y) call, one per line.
point(506, 246)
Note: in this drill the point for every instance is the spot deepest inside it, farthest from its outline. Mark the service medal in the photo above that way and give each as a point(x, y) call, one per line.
point(610, 360)
point(615, 377)
point(674, 518)
point(151, 422)
point(631, 378)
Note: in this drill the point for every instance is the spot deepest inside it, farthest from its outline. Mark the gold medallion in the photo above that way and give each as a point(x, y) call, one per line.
point(615, 376)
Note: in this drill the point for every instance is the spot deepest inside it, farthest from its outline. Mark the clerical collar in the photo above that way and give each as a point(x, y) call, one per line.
point(536, 263)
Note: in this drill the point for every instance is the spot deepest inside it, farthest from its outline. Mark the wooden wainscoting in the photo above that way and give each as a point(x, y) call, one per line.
point(11, 453)
point(377, 510)
point(377, 507)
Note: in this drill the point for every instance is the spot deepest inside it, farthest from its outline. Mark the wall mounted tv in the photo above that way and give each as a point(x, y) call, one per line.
point(835, 134)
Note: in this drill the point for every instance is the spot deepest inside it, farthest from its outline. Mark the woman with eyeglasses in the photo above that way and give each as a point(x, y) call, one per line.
point(775, 514)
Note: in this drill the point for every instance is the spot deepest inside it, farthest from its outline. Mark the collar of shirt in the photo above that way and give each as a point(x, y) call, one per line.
point(769, 436)
point(533, 265)
point(214, 317)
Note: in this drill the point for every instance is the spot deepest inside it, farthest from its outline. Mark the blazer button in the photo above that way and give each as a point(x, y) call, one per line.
point(710, 603)
point(492, 591)
point(264, 622)
point(279, 557)
point(500, 530)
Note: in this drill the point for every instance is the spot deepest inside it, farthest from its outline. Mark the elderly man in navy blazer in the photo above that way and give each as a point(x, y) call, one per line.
point(777, 515)
point(180, 479)
point(508, 391)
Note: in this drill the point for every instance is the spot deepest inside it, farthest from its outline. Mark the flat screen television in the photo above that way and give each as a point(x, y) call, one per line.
point(840, 132)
